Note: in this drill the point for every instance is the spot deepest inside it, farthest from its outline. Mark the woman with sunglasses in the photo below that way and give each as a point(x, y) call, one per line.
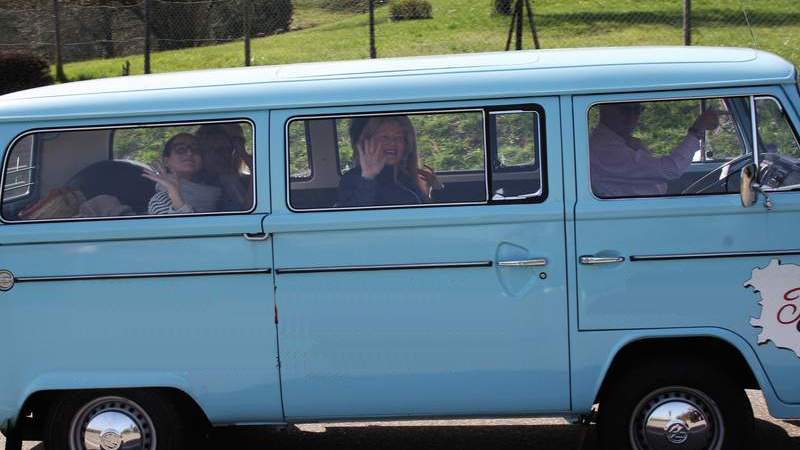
point(181, 186)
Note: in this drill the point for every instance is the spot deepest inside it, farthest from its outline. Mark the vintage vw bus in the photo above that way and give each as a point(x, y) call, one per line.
point(511, 234)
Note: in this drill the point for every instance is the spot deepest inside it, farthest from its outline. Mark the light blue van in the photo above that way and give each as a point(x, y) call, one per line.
point(514, 234)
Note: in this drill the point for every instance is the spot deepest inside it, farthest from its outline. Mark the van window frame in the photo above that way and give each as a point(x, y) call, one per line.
point(112, 128)
point(485, 110)
point(745, 139)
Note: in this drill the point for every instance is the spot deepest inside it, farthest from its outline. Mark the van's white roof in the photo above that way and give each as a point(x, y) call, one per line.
point(427, 78)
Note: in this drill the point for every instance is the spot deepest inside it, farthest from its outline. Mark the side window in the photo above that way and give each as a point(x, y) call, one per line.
point(668, 148)
point(515, 154)
point(392, 160)
point(778, 147)
point(415, 159)
point(19, 171)
point(131, 171)
point(301, 168)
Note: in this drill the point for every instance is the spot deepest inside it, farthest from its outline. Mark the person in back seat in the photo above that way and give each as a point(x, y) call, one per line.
point(386, 163)
point(227, 163)
point(181, 187)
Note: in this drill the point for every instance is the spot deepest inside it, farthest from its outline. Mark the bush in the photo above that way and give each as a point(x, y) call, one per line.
point(20, 71)
point(504, 7)
point(410, 10)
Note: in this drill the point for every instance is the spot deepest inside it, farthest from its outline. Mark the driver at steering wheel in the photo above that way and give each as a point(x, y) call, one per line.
point(622, 165)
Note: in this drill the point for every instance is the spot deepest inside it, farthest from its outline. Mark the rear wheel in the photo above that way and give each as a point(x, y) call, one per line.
point(100, 420)
point(661, 406)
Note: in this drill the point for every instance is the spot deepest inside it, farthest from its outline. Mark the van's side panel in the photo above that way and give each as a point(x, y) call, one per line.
point(650, 288)
point(209, 335)
point(430, 342)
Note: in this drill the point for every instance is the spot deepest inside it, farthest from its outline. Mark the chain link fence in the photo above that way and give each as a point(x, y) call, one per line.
point(74, 30)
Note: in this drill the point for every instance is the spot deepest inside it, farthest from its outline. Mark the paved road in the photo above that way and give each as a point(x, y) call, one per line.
point(506, 434)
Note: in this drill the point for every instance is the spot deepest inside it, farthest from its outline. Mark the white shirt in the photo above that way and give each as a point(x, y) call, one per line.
point(621, 168)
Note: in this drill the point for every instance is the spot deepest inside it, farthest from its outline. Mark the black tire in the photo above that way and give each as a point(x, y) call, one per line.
point(638, 391)
point(157, 419)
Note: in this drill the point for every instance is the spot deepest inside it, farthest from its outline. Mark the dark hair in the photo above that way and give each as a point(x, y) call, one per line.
point(168, 146)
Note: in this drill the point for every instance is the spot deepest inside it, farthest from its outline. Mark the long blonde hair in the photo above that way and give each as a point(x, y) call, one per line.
point(362, 128)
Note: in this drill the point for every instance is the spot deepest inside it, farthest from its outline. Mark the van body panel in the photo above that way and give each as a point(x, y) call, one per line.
point(446, 341)
point(704, 291)
point(181, 302)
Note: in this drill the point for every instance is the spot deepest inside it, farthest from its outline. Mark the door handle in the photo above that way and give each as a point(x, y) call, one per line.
point(536, 262)
point(592, 260)
point(256, 236)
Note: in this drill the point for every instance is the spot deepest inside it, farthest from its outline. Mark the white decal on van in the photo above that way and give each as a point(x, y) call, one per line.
point(779, 286)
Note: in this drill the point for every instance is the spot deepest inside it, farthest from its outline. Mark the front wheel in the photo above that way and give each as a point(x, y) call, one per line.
point(112, 421)
point(677, 406)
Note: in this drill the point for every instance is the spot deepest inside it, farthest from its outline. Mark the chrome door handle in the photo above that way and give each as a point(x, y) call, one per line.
point(591, 260)
point(256, 236)
point(536, 262)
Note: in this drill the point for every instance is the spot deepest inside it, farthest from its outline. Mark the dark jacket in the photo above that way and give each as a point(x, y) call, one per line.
point(355, 190)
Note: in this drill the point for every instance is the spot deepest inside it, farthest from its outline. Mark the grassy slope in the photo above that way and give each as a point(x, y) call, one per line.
point(468, 26)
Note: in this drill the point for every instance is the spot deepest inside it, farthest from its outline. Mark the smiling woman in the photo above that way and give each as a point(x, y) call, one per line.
point(180, 183)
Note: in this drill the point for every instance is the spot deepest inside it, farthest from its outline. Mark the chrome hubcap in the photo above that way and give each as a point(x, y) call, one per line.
point(112, 423)
point(677, 418)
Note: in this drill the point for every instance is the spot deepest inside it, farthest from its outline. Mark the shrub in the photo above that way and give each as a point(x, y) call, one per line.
point(410, 10)
point(20, 71)
point(504, 7)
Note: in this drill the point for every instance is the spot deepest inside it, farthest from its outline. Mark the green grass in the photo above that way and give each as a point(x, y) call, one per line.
point(462, 26)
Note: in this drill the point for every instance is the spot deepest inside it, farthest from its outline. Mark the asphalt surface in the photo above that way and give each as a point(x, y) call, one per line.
point(505, 434)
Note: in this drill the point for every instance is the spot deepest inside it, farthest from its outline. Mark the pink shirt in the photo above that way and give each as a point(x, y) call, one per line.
point(621, 168)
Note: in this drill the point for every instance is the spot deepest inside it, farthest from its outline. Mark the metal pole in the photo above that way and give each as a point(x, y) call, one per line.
point(247, 18)
point(511, 30)
point(373, 52)
point(518, 14)
point(687, 22)
point(60, 76)
point(147, 50)
point(532, 25)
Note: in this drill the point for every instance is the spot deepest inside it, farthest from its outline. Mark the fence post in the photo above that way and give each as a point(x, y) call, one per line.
point(247, 17)
point(687, 22)
point(60, 76)
point(373, 52)
point(518, 15)
point(147, 8)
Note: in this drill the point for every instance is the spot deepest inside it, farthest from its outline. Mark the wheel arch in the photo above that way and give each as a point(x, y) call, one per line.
point(715, 347)
point(33, 413)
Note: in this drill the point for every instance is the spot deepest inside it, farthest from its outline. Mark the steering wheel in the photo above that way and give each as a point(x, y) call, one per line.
point(733, 166)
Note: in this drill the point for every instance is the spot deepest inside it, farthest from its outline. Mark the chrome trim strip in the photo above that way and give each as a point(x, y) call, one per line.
point(593, 260)
point(464, 265)
point(668, 257)
point(537, 262)
point(119, 276)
